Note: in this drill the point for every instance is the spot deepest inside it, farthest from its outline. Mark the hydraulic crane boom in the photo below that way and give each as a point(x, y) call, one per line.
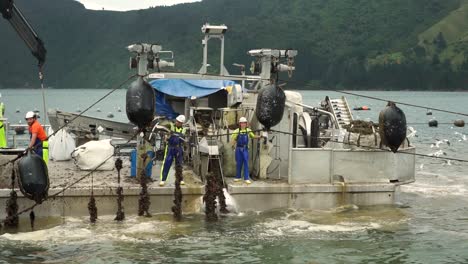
point(11, 13)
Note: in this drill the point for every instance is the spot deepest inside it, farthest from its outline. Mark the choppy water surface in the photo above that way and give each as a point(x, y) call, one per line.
point(429, 225)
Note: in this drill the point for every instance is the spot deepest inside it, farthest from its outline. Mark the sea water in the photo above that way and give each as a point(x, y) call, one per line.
point(428, 225)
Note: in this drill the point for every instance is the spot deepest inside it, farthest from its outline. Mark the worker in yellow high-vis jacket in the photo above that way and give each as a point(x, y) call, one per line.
point(3, 139)
point(174, 148)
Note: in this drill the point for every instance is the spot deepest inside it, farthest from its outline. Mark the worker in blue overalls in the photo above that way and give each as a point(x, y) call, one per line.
point(174, 148)
point(240, 141)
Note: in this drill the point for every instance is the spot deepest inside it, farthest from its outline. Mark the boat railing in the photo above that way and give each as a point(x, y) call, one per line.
point(316, 109)
point(14, 137)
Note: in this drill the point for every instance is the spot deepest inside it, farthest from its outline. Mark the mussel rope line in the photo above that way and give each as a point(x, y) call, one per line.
point(401, 103)
point(53, 196)
point(41, 78)
point(73, 119)
point(374, 148)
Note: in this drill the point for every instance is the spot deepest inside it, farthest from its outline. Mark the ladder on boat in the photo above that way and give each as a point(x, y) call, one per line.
point(340, 109)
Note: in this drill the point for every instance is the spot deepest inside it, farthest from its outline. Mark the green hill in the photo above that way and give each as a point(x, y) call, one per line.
point(454, 30)
point(342, 43)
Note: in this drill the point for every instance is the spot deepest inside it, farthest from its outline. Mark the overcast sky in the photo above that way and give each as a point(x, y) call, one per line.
point(124, 5)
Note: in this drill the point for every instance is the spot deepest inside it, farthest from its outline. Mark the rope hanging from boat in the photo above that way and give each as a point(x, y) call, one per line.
point(144, 200)
point(120, 216)
point(12, 204)
point(214, 189)
point(210, 198)
point(41, 78)
point(92, 209)
point(177, 208)
point(219, 188)
point(32, 218)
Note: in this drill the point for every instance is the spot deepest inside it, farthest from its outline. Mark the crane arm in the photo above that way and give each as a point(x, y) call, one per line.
point(11, 13)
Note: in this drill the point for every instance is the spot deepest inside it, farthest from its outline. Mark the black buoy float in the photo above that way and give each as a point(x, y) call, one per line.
point(140, 103)
point(110, 115)
point(392, 126)
point(429, 112)
point(459, 123)
point(33, 177)
point(433, 123)
point(20, 130)
point(270, 105)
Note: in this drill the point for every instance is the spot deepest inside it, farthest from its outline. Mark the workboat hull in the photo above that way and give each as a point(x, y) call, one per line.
point(261, 195)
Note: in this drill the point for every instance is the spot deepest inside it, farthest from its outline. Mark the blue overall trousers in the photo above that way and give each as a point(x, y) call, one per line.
point(174, 150)
point(38, 147)
point(242, 154)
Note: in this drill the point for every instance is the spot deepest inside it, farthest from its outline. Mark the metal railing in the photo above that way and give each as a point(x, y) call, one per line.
point(14, 138)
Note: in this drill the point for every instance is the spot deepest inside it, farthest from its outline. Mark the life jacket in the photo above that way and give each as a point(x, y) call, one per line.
point(243, 137)
point(177, 136)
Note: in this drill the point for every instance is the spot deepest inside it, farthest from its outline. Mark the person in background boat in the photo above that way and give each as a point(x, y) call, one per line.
point(38, 142)
point(174, 148)
point(240, 142)
point(3, 140)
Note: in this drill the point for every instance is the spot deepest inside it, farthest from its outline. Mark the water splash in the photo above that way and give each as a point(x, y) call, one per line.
point(230, 202)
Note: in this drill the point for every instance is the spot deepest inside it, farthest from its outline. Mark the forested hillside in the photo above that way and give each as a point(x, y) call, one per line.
point(352, 44)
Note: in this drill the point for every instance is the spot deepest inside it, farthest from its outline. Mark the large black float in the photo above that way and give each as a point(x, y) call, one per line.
point(33, 177)
point(392, 126)
point(140, 103)
point(270, 106)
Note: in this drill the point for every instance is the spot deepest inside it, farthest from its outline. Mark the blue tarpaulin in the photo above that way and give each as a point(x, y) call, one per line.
point(163, 108)
point(185, 89)
point(189, 88)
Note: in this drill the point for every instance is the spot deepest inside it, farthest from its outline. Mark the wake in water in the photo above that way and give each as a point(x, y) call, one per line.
point(344, 219)
point(79, 231)
point(429, 184)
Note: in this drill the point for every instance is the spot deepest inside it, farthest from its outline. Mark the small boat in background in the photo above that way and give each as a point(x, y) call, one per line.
point(360, 108)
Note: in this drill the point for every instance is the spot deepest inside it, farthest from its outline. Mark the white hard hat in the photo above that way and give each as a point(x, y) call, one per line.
point(30, 114)
point(242, 120)
point(181, 118)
